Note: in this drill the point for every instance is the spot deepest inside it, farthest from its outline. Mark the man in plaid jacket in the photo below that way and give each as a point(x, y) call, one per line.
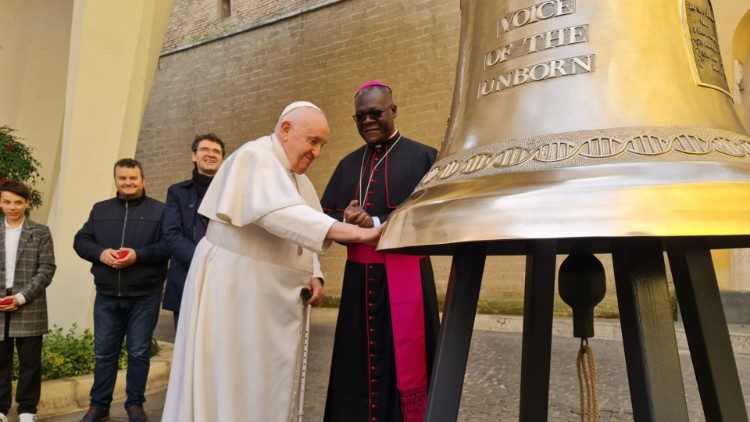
point(27, 264)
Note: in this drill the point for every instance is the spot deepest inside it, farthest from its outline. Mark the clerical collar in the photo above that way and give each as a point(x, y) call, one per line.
point(387, 143)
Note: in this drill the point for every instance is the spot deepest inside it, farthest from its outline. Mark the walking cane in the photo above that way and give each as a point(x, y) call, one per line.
point(306, 294)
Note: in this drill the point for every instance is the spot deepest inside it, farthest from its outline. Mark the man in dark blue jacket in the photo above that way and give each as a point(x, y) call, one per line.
point(182, 226)
point(122, 240)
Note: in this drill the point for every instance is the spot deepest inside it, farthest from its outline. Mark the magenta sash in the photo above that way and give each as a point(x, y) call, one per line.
point(407, 320)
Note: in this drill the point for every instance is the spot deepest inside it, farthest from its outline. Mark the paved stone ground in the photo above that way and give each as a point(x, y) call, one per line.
point(491, 387)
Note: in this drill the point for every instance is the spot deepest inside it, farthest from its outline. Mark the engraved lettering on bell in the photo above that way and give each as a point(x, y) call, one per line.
point(537, 72)
point(704, 43)
point(534, 13)
point(547, 40)
point(537, 42)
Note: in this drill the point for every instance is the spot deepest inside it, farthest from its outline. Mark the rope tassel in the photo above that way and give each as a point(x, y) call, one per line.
point(587, 383)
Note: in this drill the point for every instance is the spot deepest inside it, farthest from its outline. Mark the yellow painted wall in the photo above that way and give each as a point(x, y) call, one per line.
point(78, 96)
point(34, 41)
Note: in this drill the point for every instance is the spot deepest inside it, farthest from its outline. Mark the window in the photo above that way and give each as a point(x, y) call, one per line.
point(225, 8)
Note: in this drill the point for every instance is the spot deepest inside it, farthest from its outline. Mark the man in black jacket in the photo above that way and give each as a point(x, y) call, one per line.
point(122, 240)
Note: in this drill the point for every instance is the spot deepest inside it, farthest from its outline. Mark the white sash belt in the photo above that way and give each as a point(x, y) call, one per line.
point(256, 243)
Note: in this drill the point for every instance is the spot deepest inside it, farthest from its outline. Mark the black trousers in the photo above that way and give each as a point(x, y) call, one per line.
point(29, 385)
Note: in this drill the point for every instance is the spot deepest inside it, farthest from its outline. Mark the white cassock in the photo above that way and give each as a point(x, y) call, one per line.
point(237, 352)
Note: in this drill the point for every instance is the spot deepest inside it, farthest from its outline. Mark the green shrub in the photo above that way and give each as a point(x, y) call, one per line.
point(67, 354)
point(17, 163)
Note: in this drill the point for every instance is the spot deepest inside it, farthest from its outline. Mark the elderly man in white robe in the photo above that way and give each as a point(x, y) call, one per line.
point(238, 350)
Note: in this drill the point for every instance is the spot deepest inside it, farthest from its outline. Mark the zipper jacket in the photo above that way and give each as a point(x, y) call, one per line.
point(117, 223)
point(182, 228)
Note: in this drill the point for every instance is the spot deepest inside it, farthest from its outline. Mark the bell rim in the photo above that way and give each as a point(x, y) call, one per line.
point(669, 199)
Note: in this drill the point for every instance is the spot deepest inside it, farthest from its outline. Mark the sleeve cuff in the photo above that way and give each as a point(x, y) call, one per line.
point(20, 298)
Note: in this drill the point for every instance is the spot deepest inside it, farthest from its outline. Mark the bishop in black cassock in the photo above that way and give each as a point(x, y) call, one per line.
point(388, 317)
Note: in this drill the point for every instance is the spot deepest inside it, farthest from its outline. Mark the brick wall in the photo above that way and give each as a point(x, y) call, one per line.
point(236, 87)
point(196, 21)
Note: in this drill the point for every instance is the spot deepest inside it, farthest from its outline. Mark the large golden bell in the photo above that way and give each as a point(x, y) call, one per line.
point(584, 118)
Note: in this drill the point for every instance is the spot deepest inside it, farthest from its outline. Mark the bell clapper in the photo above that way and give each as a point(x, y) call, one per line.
point(582, 286)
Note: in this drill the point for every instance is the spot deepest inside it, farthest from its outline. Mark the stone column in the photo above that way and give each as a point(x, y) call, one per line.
point(109, 51)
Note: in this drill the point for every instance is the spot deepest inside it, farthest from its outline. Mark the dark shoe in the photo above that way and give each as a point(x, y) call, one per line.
point(136, 414)
point(96, 414)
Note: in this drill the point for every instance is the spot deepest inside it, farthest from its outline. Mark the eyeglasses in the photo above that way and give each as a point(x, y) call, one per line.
point(362, 116)
point(206, 150)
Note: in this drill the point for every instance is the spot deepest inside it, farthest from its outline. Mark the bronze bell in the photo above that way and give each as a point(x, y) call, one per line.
point(584, 118)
